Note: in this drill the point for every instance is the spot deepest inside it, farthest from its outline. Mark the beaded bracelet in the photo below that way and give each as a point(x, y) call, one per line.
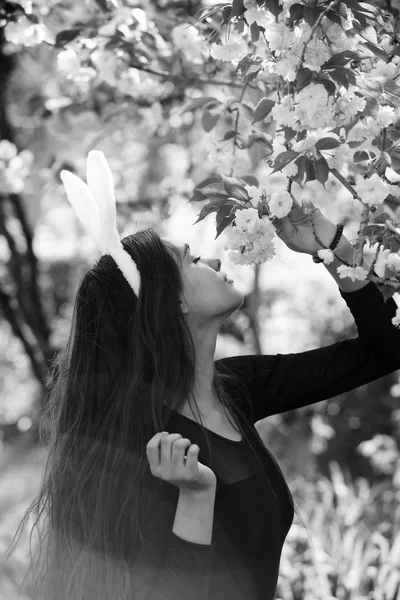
point(338, 235)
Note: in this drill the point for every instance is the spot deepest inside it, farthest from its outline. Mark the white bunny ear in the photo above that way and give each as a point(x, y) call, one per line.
point(101, 185)
point(83, 204)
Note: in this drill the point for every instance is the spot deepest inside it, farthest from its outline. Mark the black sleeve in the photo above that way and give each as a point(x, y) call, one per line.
point(282, 382)
point(171, 568)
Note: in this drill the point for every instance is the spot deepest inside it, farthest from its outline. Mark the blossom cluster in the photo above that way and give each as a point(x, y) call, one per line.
point(334, 70)
point(251, 240)
point(334, 104)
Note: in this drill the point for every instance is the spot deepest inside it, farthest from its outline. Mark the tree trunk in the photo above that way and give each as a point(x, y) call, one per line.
point(20, 296)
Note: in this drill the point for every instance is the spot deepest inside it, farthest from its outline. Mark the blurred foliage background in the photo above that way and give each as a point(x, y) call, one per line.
point(341, 456)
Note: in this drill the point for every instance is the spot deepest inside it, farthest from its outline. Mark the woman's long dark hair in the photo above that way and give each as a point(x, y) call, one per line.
point(125, 360)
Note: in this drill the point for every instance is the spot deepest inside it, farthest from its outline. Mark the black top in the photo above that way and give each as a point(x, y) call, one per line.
point(253, 513)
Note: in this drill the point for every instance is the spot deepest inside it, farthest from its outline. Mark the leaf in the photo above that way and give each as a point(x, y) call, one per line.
point(246, 110)
point(289, 133)
point(66, 36)
point(354, 144)
point(304, 76)
point(244, 64)
point(327, 143)
point(198, 103)
point(263, 109)
point(251, 180)
point(340, 76)
point(238, 26)
point(360, 155)
point(238, 8)
point(381, 218)
point(208, 209)
point(283, 159)
point(334, 17)
point(215, 190)
point(255, 32)
point(223, 224)
point(31, 17)
point(213, 179)
point(226, 14)
point(198, 196)
point(342, 10)
point(229, 135)
point(302, 135)
point(259, 137)
point(351, 76)
point(234, 188)
point(386, 291)
point(296, 12)
point(340, 59)
point(223, 211)
point(379, 52)
point(310, 169)
point(368, 7)
point(274, 7)
point(390, 87)
point(209, 120)
point(311, 14)
point(321, 170)
point(328, 85)
point(373, 229)
point(251, 74)
point(301, 163)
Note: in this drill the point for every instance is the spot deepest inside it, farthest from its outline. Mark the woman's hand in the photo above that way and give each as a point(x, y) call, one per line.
point(168, 461)
point(296, 230)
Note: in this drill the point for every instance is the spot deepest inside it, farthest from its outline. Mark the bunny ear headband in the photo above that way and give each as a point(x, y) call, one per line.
point(94, 205)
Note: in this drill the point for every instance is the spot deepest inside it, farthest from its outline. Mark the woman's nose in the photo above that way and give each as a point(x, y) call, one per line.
point(214, 263)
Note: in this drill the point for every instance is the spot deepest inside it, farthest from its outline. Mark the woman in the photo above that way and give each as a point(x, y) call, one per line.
point(157, 485)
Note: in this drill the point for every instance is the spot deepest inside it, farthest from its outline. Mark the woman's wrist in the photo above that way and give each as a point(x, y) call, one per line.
point(345, 251)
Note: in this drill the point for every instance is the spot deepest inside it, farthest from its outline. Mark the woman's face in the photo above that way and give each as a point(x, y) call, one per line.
point(206, 293)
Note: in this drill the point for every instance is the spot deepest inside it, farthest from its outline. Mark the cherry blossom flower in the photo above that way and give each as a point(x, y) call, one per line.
point(372, 191)
point(326, 255)
point(251, 241)
point(385, 116)
point(393, 261)
point(313, 107)
point(352, 272)
point(396, 318)
point(233, 47)
point(254, 194)
point(280, 203)
point(364, 129)
point(348, 105)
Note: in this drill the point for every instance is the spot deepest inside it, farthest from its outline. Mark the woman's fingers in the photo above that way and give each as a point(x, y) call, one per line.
point(178, 451)
point(166, 446)
point(284, 226)
point(153, 448)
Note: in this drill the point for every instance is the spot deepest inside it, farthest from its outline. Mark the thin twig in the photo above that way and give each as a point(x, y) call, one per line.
point(314, 27)
point(361, 238)
point(237, 124)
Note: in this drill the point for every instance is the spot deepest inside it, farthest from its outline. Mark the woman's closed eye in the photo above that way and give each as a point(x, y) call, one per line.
point(195, 260)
